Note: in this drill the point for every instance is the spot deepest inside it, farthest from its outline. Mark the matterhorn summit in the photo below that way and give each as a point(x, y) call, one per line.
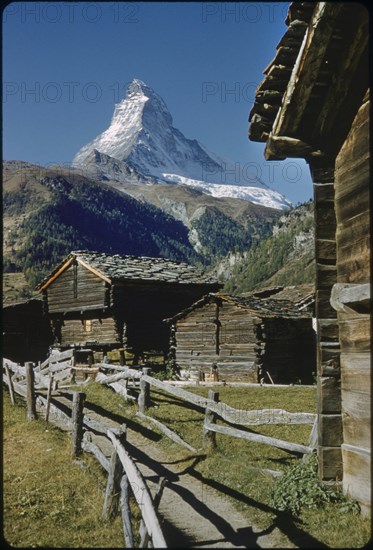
point(141, 140)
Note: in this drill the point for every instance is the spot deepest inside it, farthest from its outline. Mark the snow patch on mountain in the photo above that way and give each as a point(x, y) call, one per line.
point(256, 195)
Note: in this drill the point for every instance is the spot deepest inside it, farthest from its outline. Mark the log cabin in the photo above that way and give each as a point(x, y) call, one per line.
point(313, 103)
point(26, 333)
point(248, 339)
point(106, 301)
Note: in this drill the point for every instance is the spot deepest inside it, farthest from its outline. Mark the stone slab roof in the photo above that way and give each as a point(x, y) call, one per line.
point(253, 305)
point(119, 268)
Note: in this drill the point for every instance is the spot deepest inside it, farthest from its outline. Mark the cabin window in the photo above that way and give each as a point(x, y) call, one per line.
point(87, 325)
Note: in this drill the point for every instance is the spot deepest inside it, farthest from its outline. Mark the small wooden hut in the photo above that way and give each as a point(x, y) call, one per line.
point(246, 338)
point(314, 104)
point(26, 334)
point(106, 301)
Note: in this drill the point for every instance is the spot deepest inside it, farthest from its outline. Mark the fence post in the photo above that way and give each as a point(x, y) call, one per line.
point(10, 383)
point(49, 394)
point(113, 488)
point(126, 512)
point(77, 422)
point(30, 395)
point(209, 437)
point(145, 538)
point(144, 397)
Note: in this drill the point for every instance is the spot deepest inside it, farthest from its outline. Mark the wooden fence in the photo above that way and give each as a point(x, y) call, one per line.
point(122, 472)
point(124, 477)
point(213, 410)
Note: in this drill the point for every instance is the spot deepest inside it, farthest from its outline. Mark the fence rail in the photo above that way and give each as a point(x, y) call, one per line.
point(62, 365)
point(128, 479)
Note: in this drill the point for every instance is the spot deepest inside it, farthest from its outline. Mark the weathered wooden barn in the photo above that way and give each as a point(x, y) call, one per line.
point(314, 104)
point(26, 334)
point(247, 338)
point(108, 301)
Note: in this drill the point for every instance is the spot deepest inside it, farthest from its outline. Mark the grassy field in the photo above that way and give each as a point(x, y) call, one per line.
point(233, 468)
point(49, 500)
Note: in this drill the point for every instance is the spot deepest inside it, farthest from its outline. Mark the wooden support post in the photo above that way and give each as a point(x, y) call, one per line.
point(73, 363)
point(122, 358)
point(209, 437)
point(77, 423)
point(145, 538)
point(49, 394)
point(113, 486)
point(144, 397)
point(126, 512)
point(10, 384)
point(30, 396)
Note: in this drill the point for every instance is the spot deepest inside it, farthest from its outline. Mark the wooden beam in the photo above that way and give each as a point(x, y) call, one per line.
point(258, 438)
point(93, 270)
point(306, 68)
point(169, 433)
point(64, 266)
point(351, 298)
point(282, 147)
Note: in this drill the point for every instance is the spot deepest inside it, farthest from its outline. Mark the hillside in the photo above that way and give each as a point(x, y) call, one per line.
point(286, 257)
point(49, 212)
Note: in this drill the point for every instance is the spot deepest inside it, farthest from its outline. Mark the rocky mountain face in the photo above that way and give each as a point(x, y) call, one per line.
point(141, 146)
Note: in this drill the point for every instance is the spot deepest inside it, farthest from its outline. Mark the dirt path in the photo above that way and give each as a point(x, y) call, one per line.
point(193, 514)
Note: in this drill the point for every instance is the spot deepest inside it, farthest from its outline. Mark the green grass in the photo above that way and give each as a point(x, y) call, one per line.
point(233, 468)
point(49, 500)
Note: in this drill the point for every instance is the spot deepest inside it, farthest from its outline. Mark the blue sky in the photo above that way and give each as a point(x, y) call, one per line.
point(65, 65)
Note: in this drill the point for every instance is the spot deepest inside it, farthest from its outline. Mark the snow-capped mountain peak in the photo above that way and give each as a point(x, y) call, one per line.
point(141, 134)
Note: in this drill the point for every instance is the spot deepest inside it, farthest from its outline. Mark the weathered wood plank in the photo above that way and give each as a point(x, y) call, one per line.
point(355, 334)
point(164, 429)
point(112, 491)
point(77, 423)
point(257, 438)
point(330, 430)
point(237, 416)
point(357, 418)
point(92, 448)
point(330, 463)
point(356, 371)
point(329, 395)
point(357, 473)
point(142, 495)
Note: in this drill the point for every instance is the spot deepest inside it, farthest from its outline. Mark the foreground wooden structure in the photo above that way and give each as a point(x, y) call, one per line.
point(314, 103)
point(246, 338)
point(107, 301)
point(26, 333)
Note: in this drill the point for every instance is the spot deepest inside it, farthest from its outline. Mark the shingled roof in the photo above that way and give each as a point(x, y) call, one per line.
point(305, 104)
point(116, 267)
point(261, 307)
point(270, 91)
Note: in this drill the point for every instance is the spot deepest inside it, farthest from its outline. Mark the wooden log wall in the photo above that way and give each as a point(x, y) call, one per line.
point(328, 349)
point(76, 289)
point(195, 339)
point(353, 267)
point(239, 345)
point(81, 331)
